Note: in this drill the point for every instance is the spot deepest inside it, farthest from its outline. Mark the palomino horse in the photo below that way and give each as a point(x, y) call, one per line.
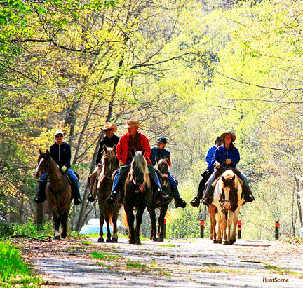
point(108, 212)
point(138, 194)
point(228, 200)
point(58, 192)
point(162, 166)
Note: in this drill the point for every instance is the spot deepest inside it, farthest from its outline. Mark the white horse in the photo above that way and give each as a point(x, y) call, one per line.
point(228, 200)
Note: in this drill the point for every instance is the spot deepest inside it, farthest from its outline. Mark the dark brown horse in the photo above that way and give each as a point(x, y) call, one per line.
point(58, 192)
point(138, 194)
point(108, 212)
point(162, 166)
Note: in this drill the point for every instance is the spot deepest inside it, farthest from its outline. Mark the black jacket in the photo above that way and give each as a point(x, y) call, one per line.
point(109, 142)
point(61, 154)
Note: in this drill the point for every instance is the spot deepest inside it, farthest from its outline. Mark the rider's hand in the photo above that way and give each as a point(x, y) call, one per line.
point(227, 161)
point(217, 164)
point(120, 163)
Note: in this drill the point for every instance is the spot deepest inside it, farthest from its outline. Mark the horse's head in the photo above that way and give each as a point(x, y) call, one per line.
point(43, 164)
point(162, 166)
point(109, 161)
point(229, 191)
point(139, 173)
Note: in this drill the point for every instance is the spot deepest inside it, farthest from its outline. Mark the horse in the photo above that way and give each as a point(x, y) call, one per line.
point(138, 193)
point(162, 166)
point(108, 212)
point(227, 199)
point(58, 192)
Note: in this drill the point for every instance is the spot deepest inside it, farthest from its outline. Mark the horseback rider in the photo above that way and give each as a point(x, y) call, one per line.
point(226, 155)
point(158, 153)
point(61, 154)
point(132, 140)
point(206, 174)
point(109, 140)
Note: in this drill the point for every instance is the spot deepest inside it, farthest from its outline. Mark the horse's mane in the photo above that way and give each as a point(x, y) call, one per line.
point(140, 162)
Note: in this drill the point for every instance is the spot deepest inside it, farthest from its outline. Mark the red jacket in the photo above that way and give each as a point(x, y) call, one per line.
point(123, 149)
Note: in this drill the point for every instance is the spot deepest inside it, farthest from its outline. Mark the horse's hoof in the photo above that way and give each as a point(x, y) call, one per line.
point(56, 238)
point(219, 241)
point(63, 235)
point(108, 240)
point(225, 242)
point(115, 240)
point(138, 242)
point(215, 241)
point(101, 239)
point(160, 239)
point(231, 242)
point(154, 239)
point(131, 241)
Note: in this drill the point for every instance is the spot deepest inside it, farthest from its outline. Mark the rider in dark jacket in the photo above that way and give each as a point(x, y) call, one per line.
point(206, 174)
point(226, 155)
point(158, 153)
point(61, 154)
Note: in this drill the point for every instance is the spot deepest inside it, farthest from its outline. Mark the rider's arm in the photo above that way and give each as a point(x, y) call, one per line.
point(235, 157)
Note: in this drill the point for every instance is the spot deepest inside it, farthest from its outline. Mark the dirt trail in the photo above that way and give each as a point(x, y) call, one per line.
point(174, 263)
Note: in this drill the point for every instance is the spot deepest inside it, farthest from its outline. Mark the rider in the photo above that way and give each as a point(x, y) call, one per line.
point(61, 154)
point(206, 174)
point(109, 140)
point(158, 153)
point(226, 155)
point(135, 140)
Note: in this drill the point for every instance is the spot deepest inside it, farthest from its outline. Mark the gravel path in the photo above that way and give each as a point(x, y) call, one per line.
point(173, 263)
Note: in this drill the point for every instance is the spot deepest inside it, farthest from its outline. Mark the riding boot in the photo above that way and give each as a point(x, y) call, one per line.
point(75, 191)
point(41, 196)
point(209, 194)
point(196, 201)
point(179, 202)
point(248, 197)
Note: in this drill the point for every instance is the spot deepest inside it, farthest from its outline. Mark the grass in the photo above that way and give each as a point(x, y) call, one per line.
point(98, 255)
point(281, 271)
point(135, 265)
point(168, 245)
point(13, 271)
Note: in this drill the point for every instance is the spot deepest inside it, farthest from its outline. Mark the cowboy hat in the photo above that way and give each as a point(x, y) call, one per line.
point(233, 136)
point(109, 126)
point(133, 122)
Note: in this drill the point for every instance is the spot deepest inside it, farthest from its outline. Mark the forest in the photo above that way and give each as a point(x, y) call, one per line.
point(188, 70)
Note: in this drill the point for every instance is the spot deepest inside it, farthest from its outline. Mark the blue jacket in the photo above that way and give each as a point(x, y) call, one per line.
point(210, 158)
point(157, 154)
point(222, 154)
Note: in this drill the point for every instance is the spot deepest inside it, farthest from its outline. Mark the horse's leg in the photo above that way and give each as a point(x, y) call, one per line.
point(57, 220)
point(232, 239)
point(114, 220)
point(101, 239)
point(64, 225)
point(161, 218)
point(212, 217)
point(138, 224)
point(109, 235)
point(152, 215)
point(218, 228)
point(130, 221)
point(224, 226)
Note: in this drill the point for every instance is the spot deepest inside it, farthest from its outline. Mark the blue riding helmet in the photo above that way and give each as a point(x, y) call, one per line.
point(161, 140)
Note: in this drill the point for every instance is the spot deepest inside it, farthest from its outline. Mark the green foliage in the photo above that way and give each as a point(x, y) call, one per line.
point(12, 270)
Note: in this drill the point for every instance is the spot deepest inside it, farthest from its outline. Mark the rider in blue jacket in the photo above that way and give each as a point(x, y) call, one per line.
point(226, 155)
point(206, 174)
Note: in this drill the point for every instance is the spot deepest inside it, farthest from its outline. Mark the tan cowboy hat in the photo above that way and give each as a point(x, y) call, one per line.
point(233, 136)
point(109, 126)
point(133, 122)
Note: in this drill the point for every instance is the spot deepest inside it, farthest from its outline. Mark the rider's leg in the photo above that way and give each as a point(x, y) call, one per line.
point(196, 201)
point(75, 186)
point(179, 201)
point(209, 191)
point(248, 197)
point(40, 197)
point(118, 179)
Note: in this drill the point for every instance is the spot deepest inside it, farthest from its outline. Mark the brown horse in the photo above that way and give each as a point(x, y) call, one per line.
point(162, 166)
point(138, 194)
point(58, 192)
point(108, 212)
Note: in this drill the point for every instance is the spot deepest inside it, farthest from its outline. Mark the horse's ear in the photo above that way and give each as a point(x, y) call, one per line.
point(104, 148)
point(143, 151)
point(40, 152)
point(47, 153)
point(223, 181)
point(114, 147)
point(133, 152)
